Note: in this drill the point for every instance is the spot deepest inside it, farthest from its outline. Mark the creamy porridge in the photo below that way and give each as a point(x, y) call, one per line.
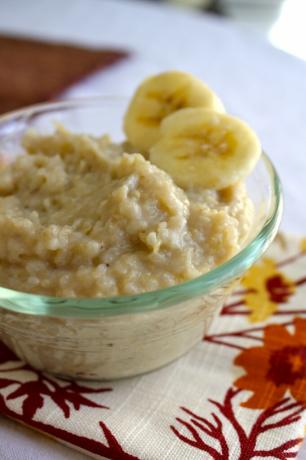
point(86, 217)
point(80, 217)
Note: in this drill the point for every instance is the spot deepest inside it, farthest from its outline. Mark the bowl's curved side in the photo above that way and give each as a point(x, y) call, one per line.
point(109, 347)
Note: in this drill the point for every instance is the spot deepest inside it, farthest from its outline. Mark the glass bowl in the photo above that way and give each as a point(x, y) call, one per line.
point(115, 337)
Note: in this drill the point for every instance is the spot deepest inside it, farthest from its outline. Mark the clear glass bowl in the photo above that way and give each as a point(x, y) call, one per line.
point(106, 338)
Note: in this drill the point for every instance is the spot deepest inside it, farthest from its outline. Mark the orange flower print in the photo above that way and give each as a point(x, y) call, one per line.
point(266, 288)
point(276, 367)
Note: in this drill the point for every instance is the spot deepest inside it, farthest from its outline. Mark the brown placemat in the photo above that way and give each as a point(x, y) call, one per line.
point(33, 71)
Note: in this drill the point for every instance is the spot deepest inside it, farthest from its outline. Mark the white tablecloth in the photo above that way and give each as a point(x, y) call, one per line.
point(260, 84)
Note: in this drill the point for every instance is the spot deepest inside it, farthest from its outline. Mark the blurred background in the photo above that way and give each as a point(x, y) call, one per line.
point(281, 22)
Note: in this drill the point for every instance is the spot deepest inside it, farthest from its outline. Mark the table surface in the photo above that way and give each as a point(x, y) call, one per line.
point(262, 85)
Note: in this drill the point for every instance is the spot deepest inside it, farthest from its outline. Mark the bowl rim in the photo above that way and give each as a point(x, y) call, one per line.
point(42, 305)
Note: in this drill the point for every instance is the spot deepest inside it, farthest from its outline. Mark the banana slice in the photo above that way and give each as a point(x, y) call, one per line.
point(159, 96)
point(202, 148)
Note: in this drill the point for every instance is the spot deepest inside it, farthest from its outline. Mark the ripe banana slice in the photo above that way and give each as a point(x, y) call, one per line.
point(159, 96)
point(202, 148)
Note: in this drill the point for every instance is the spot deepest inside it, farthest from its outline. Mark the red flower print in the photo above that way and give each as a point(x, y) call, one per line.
point(108, 448)
point(43, 386)
point(64, 394)
point(211, 435)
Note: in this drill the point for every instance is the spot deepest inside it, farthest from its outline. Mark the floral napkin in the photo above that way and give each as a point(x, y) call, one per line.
point(240, 394)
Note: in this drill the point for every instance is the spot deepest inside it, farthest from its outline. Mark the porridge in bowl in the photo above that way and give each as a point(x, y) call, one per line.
point(113, 254)
point(81, 216)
